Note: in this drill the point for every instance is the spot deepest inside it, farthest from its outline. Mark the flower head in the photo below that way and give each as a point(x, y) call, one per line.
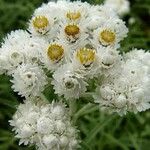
point(29, 80)
point(68, 82)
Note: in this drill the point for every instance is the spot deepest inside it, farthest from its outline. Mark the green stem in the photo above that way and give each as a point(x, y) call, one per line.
point(72, 106)
point(88, 108)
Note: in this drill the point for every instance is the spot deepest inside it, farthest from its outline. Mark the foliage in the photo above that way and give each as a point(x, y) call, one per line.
point(98, 130)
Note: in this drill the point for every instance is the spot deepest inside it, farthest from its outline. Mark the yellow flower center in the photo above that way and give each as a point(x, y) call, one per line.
point(72, 30)
point(107, 36)
point(73, 15)
point(86, 56)
point(40, 22)
point(55, 52)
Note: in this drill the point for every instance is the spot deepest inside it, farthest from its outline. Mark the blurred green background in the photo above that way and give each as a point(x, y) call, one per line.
point(98, 131)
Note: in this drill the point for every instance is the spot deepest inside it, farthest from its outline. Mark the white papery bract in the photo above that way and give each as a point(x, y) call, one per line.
point(122, 7)
point(47, 126)
point(29, 80)
point(68, 82)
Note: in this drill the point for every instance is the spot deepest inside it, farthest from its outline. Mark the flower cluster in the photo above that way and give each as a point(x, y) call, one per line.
point(66, 46)
point(45, 125)
point(129, 89)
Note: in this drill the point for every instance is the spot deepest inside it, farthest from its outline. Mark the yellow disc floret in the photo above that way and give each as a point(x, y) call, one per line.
point(73, 15)
point(86, 56)
point(72, 30)
point(55, 52)
point(107, 36)
point(40, 22)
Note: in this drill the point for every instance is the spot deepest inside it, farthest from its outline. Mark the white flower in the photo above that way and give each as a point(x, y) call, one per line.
point(77, 12)
point(32, 49)
point(98, 15)
point(72, 33)
point(20, 47)
point(110, 33)
point(86, 60)
point(12, 50)
point(45, 124)
point(122, 7)
point(140, 55)
point(44, 130)
point(28, 80)
point(110, 61)
point(24, 122)
point(109, 56)
point(55, 8)
point(68, 82)
point(44, 21)
point(55, 54)
point(51, 142)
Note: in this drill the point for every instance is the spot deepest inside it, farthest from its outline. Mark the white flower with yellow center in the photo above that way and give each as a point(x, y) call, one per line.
point(35, 123)
point(77, 12)
point(68, 82)
point(86, 56)
point(107, 37)
point(41, 24)
point(121, 7)
point(73, 15)
point(86, 61)
point(29, 80)
point(44, 23)
point(110, 33)
point(45, 20)
point(55, 54)
point(72, 34)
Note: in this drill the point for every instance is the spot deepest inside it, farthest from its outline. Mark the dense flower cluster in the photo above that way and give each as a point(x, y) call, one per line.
point(67, 46)
point(129, 89)
point(45, 125)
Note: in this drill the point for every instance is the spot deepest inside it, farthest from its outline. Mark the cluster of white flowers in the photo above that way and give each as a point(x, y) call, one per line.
point(45, 125)
point(68, 45)
point(127, 91)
